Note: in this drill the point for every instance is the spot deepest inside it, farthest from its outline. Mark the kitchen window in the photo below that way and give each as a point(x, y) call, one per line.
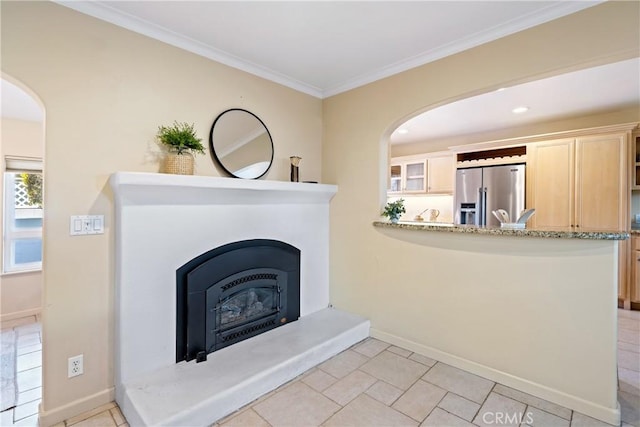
point(23, 214)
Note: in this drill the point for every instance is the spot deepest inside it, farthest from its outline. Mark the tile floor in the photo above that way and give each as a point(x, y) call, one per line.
point(29, 372)
point(371, 384)
point(377, 384)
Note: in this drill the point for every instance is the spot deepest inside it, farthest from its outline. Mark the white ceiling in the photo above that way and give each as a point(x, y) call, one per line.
point(326, 47)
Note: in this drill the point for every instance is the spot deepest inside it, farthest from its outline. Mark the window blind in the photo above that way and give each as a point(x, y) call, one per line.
point(23, 164)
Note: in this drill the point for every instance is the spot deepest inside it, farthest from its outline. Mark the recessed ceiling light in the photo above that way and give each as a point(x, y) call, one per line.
point(501, 89)
point(520, 110)
point(403, 131)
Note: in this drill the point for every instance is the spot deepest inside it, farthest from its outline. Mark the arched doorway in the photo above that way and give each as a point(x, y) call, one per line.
point(22, 154)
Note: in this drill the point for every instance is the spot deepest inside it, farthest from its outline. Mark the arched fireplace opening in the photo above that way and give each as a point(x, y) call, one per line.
point(234, 292)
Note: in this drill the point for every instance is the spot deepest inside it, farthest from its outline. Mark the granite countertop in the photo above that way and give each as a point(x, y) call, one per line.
point(495, 231)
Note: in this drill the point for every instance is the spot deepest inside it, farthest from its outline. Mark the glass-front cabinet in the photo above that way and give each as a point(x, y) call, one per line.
point(408, 177)
point(395, 179)
point(415, 174)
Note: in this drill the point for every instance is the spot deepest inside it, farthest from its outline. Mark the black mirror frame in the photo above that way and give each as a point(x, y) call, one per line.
point(212, 151)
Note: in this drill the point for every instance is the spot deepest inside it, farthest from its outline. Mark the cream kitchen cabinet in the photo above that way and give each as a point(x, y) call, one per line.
point(579, 182)
point(422, 174)
point(550, 183)
point(441, 174)
point(602, 194)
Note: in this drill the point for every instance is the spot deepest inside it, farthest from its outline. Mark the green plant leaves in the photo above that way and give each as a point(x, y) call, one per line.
point(33, 184)
point(394, 209)
point(180, 137)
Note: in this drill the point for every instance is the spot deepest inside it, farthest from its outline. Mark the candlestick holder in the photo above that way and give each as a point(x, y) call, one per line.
point(295, 161)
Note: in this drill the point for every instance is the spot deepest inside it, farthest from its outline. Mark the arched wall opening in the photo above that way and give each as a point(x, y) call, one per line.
point(22, 139)
point(21, 151)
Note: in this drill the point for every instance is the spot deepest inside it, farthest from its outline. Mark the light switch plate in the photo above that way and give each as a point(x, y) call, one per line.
point(86, 224)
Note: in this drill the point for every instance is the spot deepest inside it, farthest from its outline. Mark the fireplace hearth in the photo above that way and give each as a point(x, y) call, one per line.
point(234, 292)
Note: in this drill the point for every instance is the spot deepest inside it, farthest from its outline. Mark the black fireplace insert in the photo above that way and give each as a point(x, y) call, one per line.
point(235, 292)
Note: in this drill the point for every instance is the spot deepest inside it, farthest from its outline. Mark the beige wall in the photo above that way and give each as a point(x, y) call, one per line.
point(415, 290)
point(105, 91)
point(20, 293)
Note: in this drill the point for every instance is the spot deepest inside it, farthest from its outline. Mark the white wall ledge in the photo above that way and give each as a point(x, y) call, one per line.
point(140, 188)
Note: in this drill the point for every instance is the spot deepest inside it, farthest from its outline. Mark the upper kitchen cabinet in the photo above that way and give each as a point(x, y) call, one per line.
point(422, 174)
point(601, 182)
point(441, 174)
point(550, 183)
point(579, 182)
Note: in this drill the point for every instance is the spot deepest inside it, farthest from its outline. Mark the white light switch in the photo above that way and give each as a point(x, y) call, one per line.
point(86, 224)
point(97, 224)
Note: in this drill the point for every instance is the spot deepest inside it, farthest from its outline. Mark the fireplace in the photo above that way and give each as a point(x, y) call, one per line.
point(162, 222)
point(234, 292)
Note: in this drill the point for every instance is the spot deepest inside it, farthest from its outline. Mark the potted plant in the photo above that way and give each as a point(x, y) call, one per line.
point(393, 210)
point(182, 142)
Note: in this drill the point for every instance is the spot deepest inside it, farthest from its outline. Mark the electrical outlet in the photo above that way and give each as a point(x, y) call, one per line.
point(76, 365)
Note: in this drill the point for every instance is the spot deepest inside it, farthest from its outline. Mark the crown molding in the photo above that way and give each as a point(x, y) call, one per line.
point(541, 16)
point(106, 13)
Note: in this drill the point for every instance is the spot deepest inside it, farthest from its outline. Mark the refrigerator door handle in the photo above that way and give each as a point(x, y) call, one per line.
point(481, 198)
point(483, 206)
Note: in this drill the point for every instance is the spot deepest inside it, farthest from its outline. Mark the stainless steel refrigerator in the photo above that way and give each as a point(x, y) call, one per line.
point(482, 190)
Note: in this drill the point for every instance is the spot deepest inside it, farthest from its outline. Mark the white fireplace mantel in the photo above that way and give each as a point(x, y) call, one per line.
point(139, 188)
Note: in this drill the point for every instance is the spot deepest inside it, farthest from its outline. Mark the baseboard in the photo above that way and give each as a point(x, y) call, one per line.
point(77, 407)
point(19, 314)
point(608, 415)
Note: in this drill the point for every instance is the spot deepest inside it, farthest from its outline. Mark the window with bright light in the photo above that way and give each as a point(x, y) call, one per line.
point(23, 212)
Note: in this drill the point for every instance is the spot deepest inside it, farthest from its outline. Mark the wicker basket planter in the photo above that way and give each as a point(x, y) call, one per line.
point(178, 164)
point(182, 142)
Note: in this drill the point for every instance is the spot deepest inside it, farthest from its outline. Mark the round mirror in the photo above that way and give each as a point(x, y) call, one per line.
point(241, 144)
